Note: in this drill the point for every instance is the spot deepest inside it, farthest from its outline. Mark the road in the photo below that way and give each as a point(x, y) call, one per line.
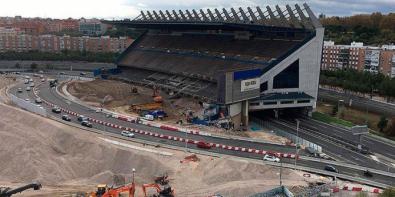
point(374, 145)
point(330, 145)
point(360, 103)
point(50, 94)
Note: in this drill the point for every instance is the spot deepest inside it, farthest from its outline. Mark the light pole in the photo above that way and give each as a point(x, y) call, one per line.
point(281, 171)
point(297, 140)
point(186, 141)
point(133, 171)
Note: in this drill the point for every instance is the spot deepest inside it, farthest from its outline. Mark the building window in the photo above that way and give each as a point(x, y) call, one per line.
point(254, 104)
point(287, 102)
point(263, 86)
point(270, 103)
point(288, 78)
point(303, 101)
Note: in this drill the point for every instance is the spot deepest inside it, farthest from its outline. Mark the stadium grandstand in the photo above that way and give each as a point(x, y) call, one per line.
point(244, 59)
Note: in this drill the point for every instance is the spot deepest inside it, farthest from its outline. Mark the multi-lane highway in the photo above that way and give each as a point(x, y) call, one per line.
point(331, 142)
point(50, 95)
point(357, 102)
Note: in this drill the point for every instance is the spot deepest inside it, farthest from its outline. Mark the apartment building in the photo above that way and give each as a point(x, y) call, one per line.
point(13, 40)
point(359, 57)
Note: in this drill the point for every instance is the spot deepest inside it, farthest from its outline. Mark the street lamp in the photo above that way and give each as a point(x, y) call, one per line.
point(186, 141)
point(281, 171)
point(296, 140)
point(133, 171)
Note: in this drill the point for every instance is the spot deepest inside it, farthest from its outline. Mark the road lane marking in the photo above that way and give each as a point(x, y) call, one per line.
point(374, 158)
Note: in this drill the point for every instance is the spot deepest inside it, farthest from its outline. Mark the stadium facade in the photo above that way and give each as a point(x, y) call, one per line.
point(243, 59)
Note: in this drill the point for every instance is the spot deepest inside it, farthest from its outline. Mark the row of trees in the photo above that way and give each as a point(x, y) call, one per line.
point(362, 82)
point(373, 29)
point(61, 56)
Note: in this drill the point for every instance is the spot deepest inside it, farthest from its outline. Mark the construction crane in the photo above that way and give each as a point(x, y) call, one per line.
point(7, 192)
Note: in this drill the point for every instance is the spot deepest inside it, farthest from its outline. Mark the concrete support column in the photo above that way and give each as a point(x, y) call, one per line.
point(244, 113)
point(275, 113)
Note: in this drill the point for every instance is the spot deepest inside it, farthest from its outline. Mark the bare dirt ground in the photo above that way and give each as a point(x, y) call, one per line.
point(122, 97)
point(67, 160)
point(5, 81)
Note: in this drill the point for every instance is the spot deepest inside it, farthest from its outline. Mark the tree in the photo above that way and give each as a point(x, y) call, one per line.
point(389, 192)
point(335, 109)
point(391, 129)
point(382, 124)
point(33, 66)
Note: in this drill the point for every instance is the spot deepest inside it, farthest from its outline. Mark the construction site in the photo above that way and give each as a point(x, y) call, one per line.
point(72, 162)
point(137, 100)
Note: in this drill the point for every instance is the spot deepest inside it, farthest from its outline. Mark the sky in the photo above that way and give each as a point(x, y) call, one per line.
point(119, 9)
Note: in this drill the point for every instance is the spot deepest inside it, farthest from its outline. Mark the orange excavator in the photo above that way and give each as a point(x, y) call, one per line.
point(167, 191)
point(104, 191)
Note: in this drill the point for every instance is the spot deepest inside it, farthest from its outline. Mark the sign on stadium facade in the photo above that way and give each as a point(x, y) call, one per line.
point(249, 84)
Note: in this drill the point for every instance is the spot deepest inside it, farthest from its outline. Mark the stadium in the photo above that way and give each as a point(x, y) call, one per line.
point(243, 60)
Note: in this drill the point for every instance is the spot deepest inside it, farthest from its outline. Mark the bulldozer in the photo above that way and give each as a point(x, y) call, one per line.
point(7, 192)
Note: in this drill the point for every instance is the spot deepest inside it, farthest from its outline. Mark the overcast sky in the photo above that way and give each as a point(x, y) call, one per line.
point(109, 9)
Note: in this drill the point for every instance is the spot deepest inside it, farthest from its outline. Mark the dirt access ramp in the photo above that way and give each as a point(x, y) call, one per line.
point(65, 160)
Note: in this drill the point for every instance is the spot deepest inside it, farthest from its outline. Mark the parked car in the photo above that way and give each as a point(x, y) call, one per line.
point(66, 118)
point(56, 110)
point(38, 100)
point(40, 71)
point(271, 158)
point(331, 168)
point(82, 74)
point(20, 90)
point(203, 145)
point(61, 73)
point(148, 117)
point(82, 118)
point(28, 88)
point(35, 75)
point(31, 85)
point(26, 81)
point(42, 80)
point(86, 124)
point(127, 134)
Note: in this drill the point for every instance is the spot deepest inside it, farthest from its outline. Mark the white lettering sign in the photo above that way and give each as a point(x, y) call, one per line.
point(249, 84)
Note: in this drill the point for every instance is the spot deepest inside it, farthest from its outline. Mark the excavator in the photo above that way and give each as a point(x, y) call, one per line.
point(104, 191)
point(167, 191)
point(161, 181)
point(7, 192)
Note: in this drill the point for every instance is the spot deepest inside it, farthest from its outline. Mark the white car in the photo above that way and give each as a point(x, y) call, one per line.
point(28, 88)
point(127, 134)
point(271, 158)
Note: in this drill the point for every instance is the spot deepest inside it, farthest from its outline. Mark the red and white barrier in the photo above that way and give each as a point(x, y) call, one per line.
point(171, 128)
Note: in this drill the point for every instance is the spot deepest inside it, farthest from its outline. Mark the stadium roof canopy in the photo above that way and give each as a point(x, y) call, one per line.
point(283, 18)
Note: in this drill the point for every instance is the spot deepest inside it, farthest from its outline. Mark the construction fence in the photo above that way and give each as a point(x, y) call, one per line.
point(27, 105)
point(295, 139)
